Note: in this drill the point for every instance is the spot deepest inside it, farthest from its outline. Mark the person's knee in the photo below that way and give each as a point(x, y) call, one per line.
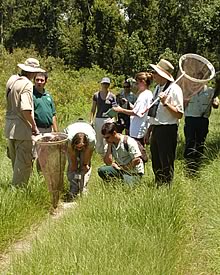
point(102, 172)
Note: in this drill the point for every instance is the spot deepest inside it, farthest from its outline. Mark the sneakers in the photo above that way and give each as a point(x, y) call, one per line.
point(69, 197)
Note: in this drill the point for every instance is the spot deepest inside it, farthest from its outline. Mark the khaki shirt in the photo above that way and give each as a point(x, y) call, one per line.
point(19, 94)
point(200, 104)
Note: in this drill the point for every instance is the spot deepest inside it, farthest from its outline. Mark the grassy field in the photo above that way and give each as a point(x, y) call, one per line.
point(116, 229)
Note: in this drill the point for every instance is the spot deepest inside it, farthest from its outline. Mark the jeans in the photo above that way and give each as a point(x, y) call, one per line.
point(78, 179)
point(108, 172)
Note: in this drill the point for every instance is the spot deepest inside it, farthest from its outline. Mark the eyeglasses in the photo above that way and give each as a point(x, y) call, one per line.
point(42, 80)
point(126, 87)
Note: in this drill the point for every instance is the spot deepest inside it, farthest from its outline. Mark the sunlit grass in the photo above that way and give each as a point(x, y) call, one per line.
point(115, 230)
point(20, 208)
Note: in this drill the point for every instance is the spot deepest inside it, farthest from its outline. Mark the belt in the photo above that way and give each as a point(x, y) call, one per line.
point(44, 126)
point(163, 125)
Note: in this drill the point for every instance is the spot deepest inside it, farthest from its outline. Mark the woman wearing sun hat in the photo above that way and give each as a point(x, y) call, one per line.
point(164, 122)
point(20, 124)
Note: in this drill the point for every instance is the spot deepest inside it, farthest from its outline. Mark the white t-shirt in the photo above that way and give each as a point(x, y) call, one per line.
point(123, 157)
point(139, 123)
point(81, 127)
point(164, 116)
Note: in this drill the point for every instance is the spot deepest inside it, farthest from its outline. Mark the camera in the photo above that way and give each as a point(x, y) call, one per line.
point(152, 112)
point(121, 101)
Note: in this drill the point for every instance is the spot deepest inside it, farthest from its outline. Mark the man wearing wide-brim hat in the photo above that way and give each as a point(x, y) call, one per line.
point(164, 120)
point(20, 124)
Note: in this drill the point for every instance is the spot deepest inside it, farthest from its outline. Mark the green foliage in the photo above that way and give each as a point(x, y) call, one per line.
point(108, 33)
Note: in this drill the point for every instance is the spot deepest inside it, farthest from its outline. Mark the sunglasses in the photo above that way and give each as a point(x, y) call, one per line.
point(126, 86)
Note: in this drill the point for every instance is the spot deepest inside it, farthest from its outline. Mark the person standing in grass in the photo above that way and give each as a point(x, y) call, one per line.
point(164, 120)
point(127, 93)
point(126, 100)
point(122, 157)
point(81, 144)
point(139, 119)
point(103, 101)
point(19, 120)
point(197, 111)
point(44, 108)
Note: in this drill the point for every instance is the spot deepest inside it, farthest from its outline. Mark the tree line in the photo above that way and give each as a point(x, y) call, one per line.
point(120, 36)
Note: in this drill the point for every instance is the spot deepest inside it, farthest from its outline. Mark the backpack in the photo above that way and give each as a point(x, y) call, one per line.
point(143, 156)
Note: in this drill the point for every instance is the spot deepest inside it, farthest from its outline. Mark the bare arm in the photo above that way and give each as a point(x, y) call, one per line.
point(108, 156)
point(72, 158)
point(87, 156)
point(124, 111)
point(171, 108)
point(29, 117)
point(54, 125)
point(131, 164)
point(93, 110)
point(148, 134)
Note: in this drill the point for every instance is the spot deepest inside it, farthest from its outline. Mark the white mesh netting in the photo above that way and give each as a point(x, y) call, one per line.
point(196, 71)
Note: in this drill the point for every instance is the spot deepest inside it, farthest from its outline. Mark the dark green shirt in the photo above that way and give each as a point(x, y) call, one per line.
point(44, 109)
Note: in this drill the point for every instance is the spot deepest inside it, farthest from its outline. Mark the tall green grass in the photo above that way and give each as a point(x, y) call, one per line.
point(121, 230)
point(115, 231)
point(20, 208)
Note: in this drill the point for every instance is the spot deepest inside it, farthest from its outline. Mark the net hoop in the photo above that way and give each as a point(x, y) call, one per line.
point(201, 59)
point(62, 138)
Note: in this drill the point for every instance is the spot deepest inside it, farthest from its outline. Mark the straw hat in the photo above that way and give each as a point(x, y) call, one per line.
point(164, 68)
point(31, 65)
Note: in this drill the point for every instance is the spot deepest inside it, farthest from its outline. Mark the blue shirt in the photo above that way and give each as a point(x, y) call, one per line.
point(130, 97)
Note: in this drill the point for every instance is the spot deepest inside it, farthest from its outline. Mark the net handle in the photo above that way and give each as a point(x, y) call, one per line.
point(155, 101)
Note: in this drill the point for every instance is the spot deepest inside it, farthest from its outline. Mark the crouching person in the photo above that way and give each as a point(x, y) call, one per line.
point(81, 144)
point(122, 157)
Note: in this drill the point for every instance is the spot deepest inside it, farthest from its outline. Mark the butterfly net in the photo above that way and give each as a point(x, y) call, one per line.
point(194, 72)
point(51, 150)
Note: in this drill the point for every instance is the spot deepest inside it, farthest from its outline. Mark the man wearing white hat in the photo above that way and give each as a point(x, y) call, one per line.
point(164, 120)
point(20, 124)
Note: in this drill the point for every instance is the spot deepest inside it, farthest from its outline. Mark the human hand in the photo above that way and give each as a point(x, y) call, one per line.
point(116, 166)
point(117, 109)
point(215, 103)
point(35, 130)
point(147, 138)
point(163, 97)
point(85, 168)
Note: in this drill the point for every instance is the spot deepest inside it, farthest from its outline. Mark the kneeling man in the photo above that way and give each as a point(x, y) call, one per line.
point(122, 157)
